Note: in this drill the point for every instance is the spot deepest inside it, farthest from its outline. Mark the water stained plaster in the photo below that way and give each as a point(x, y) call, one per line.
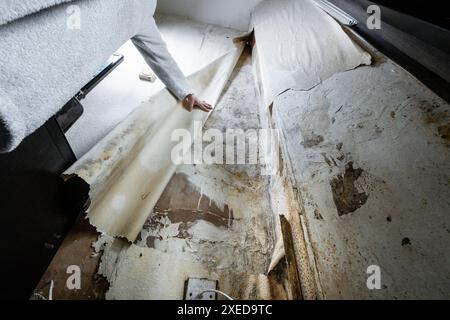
point(389, 133)
point(235, 234)
point(363, 179)
point(215, 219)
point(374, 189)
point(241, 238)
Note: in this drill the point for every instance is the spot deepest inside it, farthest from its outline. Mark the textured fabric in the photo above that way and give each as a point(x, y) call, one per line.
point(11, 10)
point(43, 63)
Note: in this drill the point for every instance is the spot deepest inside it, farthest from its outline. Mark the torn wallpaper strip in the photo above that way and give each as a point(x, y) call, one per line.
point(130, 168)
point(298, 46)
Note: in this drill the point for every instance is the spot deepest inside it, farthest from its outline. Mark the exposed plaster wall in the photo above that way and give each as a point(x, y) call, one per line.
point(369, 154)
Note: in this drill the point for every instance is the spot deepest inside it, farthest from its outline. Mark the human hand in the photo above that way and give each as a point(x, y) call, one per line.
point(191, 102)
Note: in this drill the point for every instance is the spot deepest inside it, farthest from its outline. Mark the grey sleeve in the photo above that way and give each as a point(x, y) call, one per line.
point(154, 50)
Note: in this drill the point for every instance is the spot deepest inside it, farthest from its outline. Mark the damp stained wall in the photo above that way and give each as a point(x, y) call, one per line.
point(212, 221)
point(368, 152)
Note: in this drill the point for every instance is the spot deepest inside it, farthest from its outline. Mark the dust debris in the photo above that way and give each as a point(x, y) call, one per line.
point(406, 242)
point(317, 214)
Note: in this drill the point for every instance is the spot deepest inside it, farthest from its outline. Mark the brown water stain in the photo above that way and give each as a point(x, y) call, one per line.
point(151, 241)
point(182, 203)
point(76, 250)
point(345, 194)
point(431, 112)
point(317, 214)
point(435, 115)
point(312, 141)
point(184, 216)
point(444, 132)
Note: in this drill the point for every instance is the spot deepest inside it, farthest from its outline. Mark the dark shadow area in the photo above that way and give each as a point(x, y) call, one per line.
point(433, 11)
point(35, 215)
point(420, 47)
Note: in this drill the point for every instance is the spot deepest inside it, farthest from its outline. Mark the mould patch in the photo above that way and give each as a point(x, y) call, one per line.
point(345, 194)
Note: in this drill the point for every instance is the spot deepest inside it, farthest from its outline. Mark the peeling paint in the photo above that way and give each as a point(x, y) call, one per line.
point(345, 194)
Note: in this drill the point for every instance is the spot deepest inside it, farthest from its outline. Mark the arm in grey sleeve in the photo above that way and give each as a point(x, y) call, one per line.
point(154, 50)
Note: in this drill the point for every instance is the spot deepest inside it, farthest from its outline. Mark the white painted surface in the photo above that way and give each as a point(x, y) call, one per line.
point(122, 91)
point(393, 128)
point(230, 13)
